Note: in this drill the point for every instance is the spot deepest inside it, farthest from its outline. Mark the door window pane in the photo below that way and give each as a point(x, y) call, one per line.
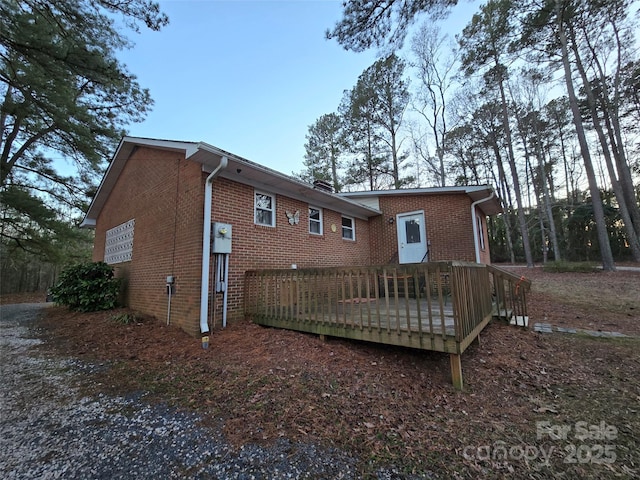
point(412, 228)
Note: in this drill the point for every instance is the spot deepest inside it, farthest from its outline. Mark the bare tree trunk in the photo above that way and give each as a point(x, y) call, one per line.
point(522, 219)
point(543, 236)
point(370, 160)
point(544, 208)
point(506, 202)
point(546, 201)
point(632, 237)
point(624, 172)
point(394, 156)
point(598, 210)
point(541, 217)
point(555, 243)
point(428, 47)
point(565, 163)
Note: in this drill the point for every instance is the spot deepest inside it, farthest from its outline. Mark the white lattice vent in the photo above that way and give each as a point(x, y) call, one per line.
point(119, 244)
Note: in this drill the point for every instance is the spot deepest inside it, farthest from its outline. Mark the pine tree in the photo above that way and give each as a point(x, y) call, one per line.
point(65, 98)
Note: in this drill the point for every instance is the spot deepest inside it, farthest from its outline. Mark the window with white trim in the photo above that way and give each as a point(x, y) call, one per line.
point(118, 245)
point(264, 209)
point(315, 220)
point(348, 228)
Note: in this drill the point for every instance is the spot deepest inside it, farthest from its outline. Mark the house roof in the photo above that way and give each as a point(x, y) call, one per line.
point(238, 169)
point(491, 206)
point(357, 204)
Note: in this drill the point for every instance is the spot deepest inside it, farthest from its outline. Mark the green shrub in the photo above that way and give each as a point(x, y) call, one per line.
point(575, 267)
point(87, 287)
point(125, 318)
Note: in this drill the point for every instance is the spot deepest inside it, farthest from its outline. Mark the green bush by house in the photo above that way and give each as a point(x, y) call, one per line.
point(87, 287)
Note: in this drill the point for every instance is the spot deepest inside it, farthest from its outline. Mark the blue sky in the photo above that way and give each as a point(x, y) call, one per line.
point(246, 76)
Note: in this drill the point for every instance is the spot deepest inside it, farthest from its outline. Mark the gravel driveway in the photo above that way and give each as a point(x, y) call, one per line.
point(48, 430)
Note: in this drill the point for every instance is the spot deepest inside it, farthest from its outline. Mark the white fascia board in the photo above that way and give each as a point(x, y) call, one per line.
point(266, 179)
point(474, 192)
point(187, 147)
point(88, 223)
point(414, 191)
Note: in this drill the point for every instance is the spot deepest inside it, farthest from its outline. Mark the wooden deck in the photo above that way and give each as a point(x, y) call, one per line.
point(440, 306)
point(371, 321)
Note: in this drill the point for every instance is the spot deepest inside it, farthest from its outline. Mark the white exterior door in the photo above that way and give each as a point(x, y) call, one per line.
point(412, 237)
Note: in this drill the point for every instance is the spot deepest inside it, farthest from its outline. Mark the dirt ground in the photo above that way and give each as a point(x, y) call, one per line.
point(534, 405)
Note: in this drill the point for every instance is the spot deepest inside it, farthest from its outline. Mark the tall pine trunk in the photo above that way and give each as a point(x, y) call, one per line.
point(632, 237)
point(506, 201)
point(522, 219)
point(544, 208)
point(598, 209)
point(624, 172)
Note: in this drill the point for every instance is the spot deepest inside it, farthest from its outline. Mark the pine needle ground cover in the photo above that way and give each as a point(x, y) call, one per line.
point(535, 405)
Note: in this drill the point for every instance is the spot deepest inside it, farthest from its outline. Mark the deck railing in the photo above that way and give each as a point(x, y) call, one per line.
point(441, 306)
point(436, 305)
point(510, 295)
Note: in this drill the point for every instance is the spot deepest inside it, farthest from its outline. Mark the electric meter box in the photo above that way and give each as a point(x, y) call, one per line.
point(221, 233)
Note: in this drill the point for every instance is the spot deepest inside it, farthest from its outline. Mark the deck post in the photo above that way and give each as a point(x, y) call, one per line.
point(456, 370)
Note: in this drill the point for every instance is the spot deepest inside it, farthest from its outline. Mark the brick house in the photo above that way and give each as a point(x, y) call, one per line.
point(159, 199)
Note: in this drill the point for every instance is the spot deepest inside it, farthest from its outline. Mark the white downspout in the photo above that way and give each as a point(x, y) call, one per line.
point(206, 247)
point(226, 289)
point(475, 224)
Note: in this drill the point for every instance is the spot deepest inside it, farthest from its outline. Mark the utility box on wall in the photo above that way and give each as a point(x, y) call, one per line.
point(221, 233)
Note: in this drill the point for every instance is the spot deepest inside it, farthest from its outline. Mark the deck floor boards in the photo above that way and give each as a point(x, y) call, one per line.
point(357, 315)
point(372, 317)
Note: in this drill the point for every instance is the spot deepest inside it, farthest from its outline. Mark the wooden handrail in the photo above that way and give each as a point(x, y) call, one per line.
point(435, 298)
point(510, 291)
point(441, 306)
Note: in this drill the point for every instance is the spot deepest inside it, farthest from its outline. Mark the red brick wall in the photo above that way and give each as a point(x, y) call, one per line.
point(256, 247)
point(448, 226)
point(164, 193)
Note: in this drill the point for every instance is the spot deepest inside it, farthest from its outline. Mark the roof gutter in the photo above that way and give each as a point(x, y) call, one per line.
point(475, 223)
point(206, 249)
